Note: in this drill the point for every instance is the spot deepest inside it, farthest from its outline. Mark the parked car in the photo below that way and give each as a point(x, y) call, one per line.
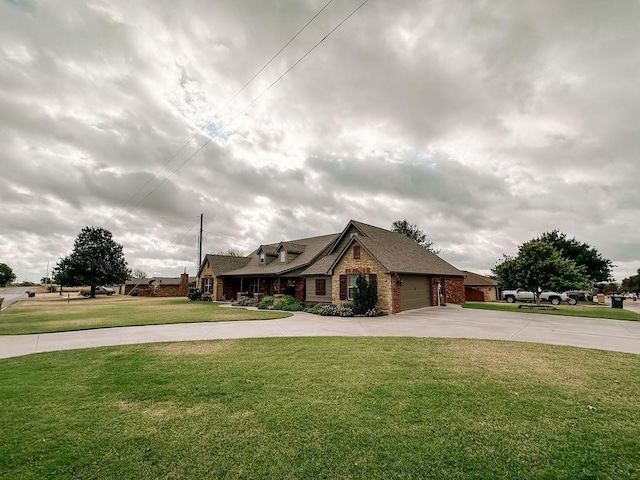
point(580, 295)
point(523, 295)
point(99, 291)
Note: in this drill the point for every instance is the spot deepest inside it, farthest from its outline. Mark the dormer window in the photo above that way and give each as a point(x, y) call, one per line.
point(356, 251)
point(263, 258)
point(283, 255)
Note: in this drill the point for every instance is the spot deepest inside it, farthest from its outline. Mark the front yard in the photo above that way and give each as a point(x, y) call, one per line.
point(307, 408)
point(44, 316)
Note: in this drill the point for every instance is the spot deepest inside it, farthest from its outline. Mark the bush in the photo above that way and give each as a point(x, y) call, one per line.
point(365, 295)
point(266, 303)
point(329, 310)
point(284, 301)
point(194, 294)
point(247, 302)
point(346, 311)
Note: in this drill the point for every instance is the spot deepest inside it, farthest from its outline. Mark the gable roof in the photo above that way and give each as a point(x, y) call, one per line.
point(309, 250)
point(477, 280)
point(223, 263)
point(394, 251)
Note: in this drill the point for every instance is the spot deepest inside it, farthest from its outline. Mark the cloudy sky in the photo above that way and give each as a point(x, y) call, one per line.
point(485, 123)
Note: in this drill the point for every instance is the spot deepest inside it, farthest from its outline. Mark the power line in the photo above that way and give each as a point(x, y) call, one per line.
point(228, 102)
point(247, 107)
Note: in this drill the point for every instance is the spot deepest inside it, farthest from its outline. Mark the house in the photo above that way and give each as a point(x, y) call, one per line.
point(324, 269)
point(160, 286)
point(478, 288)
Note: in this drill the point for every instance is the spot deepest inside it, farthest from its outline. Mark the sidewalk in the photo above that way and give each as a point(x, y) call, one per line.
point(447, 322)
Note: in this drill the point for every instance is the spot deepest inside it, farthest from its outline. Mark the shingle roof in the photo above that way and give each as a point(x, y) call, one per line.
point(476, 280)
point(313, 246)
point(224, 263)
point(395, 251)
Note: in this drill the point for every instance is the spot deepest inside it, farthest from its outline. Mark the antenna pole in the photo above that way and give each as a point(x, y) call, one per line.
point(200, 244)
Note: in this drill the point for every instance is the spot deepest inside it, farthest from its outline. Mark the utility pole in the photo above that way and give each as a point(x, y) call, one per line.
point(200, 244)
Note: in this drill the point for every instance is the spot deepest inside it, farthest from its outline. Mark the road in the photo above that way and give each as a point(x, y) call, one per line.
point(12, 295)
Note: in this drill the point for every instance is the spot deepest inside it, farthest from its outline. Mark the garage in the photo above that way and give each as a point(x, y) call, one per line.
point(415, 292)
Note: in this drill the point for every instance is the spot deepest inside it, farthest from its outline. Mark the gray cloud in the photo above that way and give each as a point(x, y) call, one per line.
point(486, 123)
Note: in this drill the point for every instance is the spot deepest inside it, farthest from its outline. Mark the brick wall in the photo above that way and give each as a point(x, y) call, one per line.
point(396, 302)
point(454, 289)
point(385, 302)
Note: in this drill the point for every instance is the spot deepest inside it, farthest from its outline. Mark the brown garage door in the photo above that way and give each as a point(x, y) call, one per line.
point(414, 292)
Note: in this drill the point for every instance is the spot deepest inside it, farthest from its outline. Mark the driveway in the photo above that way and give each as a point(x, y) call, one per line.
point(12, 295)
point(448, 322)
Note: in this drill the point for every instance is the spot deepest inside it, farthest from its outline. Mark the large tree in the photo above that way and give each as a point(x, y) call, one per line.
point(631, 284)
point(6, 274)
point(414, 233)
point(597, 268)
point(95, 260)
point(538, 266)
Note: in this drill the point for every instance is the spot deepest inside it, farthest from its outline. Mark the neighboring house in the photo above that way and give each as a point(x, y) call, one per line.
point(478, 288)
point(324, 270)
point(160, 286)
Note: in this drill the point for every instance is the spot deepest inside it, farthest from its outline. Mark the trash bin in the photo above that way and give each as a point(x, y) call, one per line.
point(617, 301)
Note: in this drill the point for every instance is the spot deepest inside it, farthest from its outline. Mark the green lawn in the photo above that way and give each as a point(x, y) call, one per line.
point(322, 408)
point(81, 314)
point(579, 310)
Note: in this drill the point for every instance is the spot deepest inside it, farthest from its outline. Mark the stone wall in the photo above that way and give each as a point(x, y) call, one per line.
point(366, 261)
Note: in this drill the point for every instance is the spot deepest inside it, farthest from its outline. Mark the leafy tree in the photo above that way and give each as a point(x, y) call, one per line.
point(95, 260)
point(365, 295)
point(46, 281)
point(597, 268)
point(414, 233)
point(631, 284)
point(6, 274)
point(539, 266)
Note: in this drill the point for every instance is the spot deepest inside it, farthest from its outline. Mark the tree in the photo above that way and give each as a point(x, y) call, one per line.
point(631, 284)
point(95, 260)
point(365, 295)
point(414, 233)
point(232, 252)
point(597, 268)
point(45, 281)
point(539, 266)
point(138, 273)
point(6, 274)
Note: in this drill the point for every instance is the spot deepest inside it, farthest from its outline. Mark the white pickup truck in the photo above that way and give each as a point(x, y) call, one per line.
point(523, 295)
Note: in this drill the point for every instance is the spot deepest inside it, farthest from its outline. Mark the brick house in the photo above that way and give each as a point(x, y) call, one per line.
point(160, 286)
point(324, 270)
point(478, 288)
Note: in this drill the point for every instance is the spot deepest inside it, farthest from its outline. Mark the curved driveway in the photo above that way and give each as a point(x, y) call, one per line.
point(447, 322)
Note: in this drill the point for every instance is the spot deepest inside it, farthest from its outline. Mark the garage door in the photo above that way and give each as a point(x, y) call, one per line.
point(414, 292)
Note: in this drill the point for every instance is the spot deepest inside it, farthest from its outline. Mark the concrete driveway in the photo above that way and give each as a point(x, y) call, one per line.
point(448, 322)
point(12, 295)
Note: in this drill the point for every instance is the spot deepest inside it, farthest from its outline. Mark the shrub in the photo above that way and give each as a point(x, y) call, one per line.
point(194, 294)
point(346, 311)
point(312, 308)
point(247, 302)
point(372, 312)
point(365, 295)
point(329, 310)
point(282, 302)
point(266, 303)
point(292, 307)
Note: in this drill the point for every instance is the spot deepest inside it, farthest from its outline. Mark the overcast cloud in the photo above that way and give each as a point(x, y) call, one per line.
point(486, 123)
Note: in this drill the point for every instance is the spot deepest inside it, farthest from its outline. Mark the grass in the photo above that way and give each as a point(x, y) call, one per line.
point(579, 310)
point(80, 314)
point(322, 408)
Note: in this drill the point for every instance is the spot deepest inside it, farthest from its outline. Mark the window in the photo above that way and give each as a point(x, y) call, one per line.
point(283, 256)
point(262, 258)
point(253, 285)
point(207, 283)
point(321, 286)
point(356, 251)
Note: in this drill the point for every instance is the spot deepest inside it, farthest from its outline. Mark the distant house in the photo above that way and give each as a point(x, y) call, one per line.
point(160, 286)
point(324, 269)
point(478, 288)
